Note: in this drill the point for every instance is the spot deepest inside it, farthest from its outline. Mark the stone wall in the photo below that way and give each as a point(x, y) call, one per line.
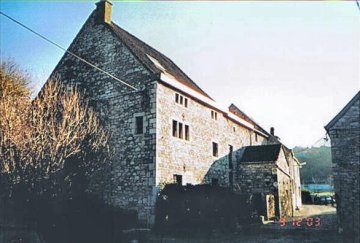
point(256, 177)
point(193, 159)
point(294, 172)
point(284, 186)
point(267, 178)
point(345, 149)
point(130, 183)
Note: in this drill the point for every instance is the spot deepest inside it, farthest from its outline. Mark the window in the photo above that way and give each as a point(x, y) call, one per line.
point(181, 100)
point(256, 137)
point(181, 136)
point(230, 156)
point(234, 129)
point(178, 180)
point(187, 133)
point(180, 130)
point(174, 128)
point(139, 125)
point(215, 151)
point(214, 115)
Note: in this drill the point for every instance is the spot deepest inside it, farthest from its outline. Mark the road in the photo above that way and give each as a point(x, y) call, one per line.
point(323, 228)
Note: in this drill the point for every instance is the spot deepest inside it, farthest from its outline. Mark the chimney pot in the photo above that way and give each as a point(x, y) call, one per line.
point(103, 8)
point(272, 131)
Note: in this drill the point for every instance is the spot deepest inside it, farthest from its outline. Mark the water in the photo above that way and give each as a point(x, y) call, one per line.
point(317, 187)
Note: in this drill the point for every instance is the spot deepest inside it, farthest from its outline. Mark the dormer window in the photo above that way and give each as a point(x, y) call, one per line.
point(181, 100)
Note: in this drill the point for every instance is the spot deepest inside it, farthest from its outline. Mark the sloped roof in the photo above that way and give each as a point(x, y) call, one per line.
point(142, 51)
point(261, 153)
point(236, 111)
point(343, 111)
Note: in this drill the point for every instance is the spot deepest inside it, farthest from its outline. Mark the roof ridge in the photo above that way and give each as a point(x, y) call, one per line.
point(343, 110)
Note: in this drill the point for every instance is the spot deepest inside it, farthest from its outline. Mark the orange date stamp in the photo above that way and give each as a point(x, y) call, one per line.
point(298, 222)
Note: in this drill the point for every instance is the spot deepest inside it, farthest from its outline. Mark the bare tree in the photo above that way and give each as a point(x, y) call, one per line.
point(57, 135)
point(14, 104)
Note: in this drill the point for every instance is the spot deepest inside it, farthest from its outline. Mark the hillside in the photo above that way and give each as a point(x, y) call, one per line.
point(318, 168)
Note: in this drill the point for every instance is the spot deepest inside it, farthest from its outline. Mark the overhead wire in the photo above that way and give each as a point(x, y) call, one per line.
point(67, 51)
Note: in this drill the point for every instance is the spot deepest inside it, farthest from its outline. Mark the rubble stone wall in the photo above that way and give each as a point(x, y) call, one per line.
point(345, 149)
point(194, 159)
point(267, 178)
point(130, 181)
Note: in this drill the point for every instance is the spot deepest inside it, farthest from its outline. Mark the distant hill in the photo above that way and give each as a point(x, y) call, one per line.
point(318, 168)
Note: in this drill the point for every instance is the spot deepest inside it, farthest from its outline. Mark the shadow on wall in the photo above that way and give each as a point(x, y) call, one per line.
point(213, 204)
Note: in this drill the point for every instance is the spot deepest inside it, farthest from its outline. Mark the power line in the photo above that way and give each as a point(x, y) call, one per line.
point(67, 51)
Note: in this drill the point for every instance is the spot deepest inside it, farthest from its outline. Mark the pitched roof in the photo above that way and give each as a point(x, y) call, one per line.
point(142, 51)
point(261, 153)
point(239, 113)
point(343, 111)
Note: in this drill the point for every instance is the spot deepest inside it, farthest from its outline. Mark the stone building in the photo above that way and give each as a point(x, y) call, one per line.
point(344, 132)
point(272, 173)
point(167, 130)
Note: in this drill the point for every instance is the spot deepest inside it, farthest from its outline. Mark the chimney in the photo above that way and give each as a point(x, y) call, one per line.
point(272, 131)
point(103, 9)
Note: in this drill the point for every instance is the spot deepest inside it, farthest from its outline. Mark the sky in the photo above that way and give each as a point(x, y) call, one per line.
point(288, 65)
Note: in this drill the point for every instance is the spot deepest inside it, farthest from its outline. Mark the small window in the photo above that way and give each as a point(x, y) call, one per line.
point(215, 150)
point(178, 180)
point(181, 100)
point(187, 133)
point(181, 136)
point(139, 125)
point(174, 128)
point(234, 129)
point(214, 115)
point(256, 137)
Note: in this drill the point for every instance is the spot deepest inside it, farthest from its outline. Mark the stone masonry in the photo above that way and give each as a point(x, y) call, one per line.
point(267, 170)
point(167, 130)
point(344, 132)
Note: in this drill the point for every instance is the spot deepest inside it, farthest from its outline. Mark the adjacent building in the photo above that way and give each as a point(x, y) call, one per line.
point(164, 128)
point(272, 173)
point(344, 132)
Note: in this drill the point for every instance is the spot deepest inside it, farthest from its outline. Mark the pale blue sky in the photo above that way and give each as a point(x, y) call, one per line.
point(291, 65)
